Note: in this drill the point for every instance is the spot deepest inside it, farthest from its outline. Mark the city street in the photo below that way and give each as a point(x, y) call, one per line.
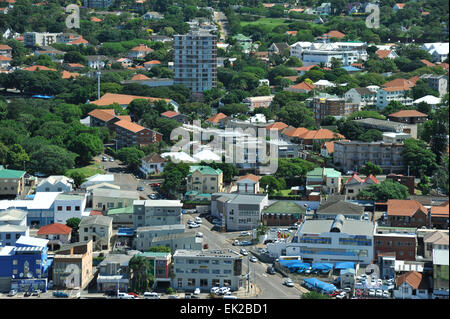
point(270, 286)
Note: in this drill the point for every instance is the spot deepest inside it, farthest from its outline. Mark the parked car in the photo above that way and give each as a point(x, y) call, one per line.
point(236, 243)
point(134, 294)
point(199, 234)
point(288, 282)
point(155, 185)
point(379, 282)
point(104, 159)
point(372, 293)
point(198, 220)
point(187, 296)
point(270, 270)
point(308, 271)
point(173, 297)
point(60, 294)
point(246, 243)
point(124, 295)
point(140, 188)
point(27, 293)
point(194, 225)
point(224, 290)
point(151, 295)
point(253, 259)
point(341, 295)
point(386, 294)
point(244, 233)
point(12, 293)
point(244, 252)
point(111, 159)
point(379, 293)
point(197, 291)
point(36, 293)
point(111, 293)
point(215, 290)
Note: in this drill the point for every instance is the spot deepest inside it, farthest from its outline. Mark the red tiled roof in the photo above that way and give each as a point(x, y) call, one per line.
point(427, 63)
point(356, 178)
point(104, 115)
point(445, 66)
point(95, 19)
point(291, 32)
point(334, 34)
point(216, 118)
point(276, 126)
point(38, 67)
point(400, 5)
point(123, 99)
point(51, 229)
point(5, 47)
point(407, 113)
point(413, 278)
point(303, 86)
point(140, 77)
point(383, 53)
point(68, 75)
point(400, 83)
point(251, 177)
point(169, 114)
point(80, 40)
point(440, 211)
point(296, 132)
point(153, 62)
point(4, 58)
point(371, 177)
point(142, 48)
point(130, 126)
point(400, 207)
point(305, 68)
point(124, 117)
point(95, 213)
point(76, 65)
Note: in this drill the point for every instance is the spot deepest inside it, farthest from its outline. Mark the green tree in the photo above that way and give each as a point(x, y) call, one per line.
point(297, 114)
point(371, 168)
point(86, 146)
point(387, 189)
point(130, 156)
point(270, 184)
point(78, 178)
point(73, 223)
point(141, 274)
point(17, 157)
point(371, 135)
point(52, 160)
point(418, 157)
point(314, 295)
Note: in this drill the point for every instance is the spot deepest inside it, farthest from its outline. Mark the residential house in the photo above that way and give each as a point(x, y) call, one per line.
point(356, 184)
point(153, 15)
point(333, 34)
point(303, 69)
point(139, 52)
point(57, 235)
point(278, 48)
point(435, 240)
point(439, 216)
point(408, 116)
point(114, 272)
point(122, 217)
point(152, 164)
point(327, 180)
point(204, 179)
point(98, 229)
point(308, 138)
point(183, 119)
point(69, 256)
point(258, 101)
point(398, 6)
point(411, 285)
point(5, 62)
point(324, 8)
point(156, 212)
point(238, 211)
point(438, 50)
point(248, 184)
point(13, 225)
point(283, 149)
point(12, 182)
point(97, 61)
point(388, 94)
point(386, 54)
point(55, 183)
point(5, 50)
point(278, 126)
point(399, 243)
point(150, 64)
point(352, 155)
point(303, 87)
point(406, 213)
point(436, 82)
point(104, 199)
point(124, 100)
point(282, 213)
point(388, 126)
point(361, 96)
point(98, 179)
point(69, 205)
point(206, 269)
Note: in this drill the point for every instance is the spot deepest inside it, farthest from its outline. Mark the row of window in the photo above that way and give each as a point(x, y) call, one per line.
point(192, 282)
point(202, 271)
point(8, 236)
point(68, 208)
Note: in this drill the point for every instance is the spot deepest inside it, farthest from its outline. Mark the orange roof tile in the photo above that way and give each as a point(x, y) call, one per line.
point(124, 117)
point(407, 113)
point(80, 40)
point(130, 126)
point(76, 65)
point(356, 178)
point(104, 115)
point(303, 86)
point(123, 99)
point(400, 83)
point(400, 207)
point(38, 67)
point(142, 48)
point(400, 5)
point(4, 58)
point(251, 177)
point(216, 118)
point(305, 68)
point(140, 77)
point(413, 278)
point(291, 32)
point(297, 132)
point(95, 19)
point(372, 178)
point(383, 53)
point(427, 63)
point(334, 34)
point(169, 114)
point(95, 212)
point(68, 75)
point(5, 47)
point(440, 211)
point(276, 126)
point(153, 62)
point(56, 228)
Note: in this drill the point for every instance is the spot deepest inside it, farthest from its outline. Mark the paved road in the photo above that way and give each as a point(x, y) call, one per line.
point(270, 286)
point(221, 19)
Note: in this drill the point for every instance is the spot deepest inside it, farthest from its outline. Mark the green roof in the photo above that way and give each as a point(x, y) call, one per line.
point(204, 170)
point(153, 254)
point(328, 172)
point(11, 173)
point(122, 210)
point(284, 207)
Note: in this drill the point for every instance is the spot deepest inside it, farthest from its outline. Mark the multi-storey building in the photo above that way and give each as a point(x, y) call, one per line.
point(68, 206)
point(156, 212)
point(129, 134)
point(204, 179)
point(12, 182)
point(361, 96)
point(13, 224)
point(388, 94)
point(330, 105)
point(98, 4)
point(206, 269)
point(352, 155)
point(97, 228)
point(39, 38)
point(437, 82)
point(195, 64)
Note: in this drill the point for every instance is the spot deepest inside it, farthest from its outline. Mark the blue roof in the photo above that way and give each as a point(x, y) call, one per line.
point(125, 232)
point(322, 286)
point(345, 265)
point(350, 68)
point(42, 96)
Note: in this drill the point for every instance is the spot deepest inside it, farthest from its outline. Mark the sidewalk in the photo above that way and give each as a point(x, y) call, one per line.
point(243, 293)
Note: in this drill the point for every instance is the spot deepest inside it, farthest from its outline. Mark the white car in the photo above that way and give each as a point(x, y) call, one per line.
point(190, 221)
point(199, 234)
point(379, 293)
point(244, 233)
point(379, 282)
point(198, 220)
point(386, 294)
point(342, 295)
point(372, 293)
point(151, 295)
point(288, 282)
point(308, 271)
point(253, 259)
point(215, 290)
point(111, 159)
point(244, 252)
point(194, 225)
point(197, 291)
point(123, 295)
point(224, 290)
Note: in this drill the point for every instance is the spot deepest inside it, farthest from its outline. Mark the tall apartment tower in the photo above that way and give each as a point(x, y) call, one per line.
point(195, 60)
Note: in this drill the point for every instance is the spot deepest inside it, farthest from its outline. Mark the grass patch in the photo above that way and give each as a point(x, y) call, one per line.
point(267, 24)
point(284, 192)
point(87, 171)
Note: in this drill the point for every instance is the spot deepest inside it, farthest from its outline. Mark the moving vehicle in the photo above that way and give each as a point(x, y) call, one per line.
point(198, 220)
point(151, 295)
point(244, 252)
point(288, 282)
point(60, 294)
point(253, 259)
point(194, 225)
point(244, 233)
point(197, 291)
point(124, 295)
point(270, 270)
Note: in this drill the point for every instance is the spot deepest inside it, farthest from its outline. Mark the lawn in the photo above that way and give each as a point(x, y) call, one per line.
point(87, 170)
point(284, 192)
point(267, 23)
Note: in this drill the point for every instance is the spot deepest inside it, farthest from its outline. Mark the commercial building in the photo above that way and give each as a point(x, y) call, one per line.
point(195, 64)
point(282, 213)
point(352, 155)
point(333, 241)
point(162, 267)
point(331, 209)
point(145, 235)
point(156, 212)
point(388, 126)
point(402, 246)
point(206, 269)
point(187, 240)
point(114, 273)
point(238, 211)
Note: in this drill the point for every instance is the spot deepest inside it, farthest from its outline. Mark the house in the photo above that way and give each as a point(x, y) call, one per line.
point(393, 93)
point(103, 117)
point(278, 126)
point(139, 52)
point(398, 6)
point(183, 119)
point(204, 179)
point(324, 8)
point(226, 270)
point(152, 164)
point(69, 256)
point(306, 138)
point(327, 149)
point(278, 48)
point(97, 61)
point(327, 180)
point(5, 50)
point(248, 184)
point(330, 208)
point(13, 224)
point(303, 69)
point(303, 87)
point(57, 234)
point(411, 285)
point(399, 242)
point(333, 34)
point(55, 183)
point(436, 82)
point(129, 134)
point(124, 100)
point(408, 116)
point(439, 216)
point(217, 119)
point(156, 212)
point(98, 229)
point(150, 64)
point(386, 54)
point(361, 96)
point(153, 15)
point(104, 199)
point(96, 180)
point(356, 184)
point(114, 272)
point(406, 213)
point(434, 240)
point(69, 205)
point(12, 182)
point(258, 101)
point(122, 217)
point(238, 211)
point(282, 213)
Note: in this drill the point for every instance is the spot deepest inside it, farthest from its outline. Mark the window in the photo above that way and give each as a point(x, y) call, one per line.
point(215, 282)
point(38, 261)
point(180, 282)
point(68, 208)
point(59, 208)
point(86, 238)
point(191, 282)
point(215, 271)
point(15, 261)
point(77, 208)
point(227, 272)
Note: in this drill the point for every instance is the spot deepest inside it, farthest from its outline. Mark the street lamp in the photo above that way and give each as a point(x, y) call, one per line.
point(118, 271)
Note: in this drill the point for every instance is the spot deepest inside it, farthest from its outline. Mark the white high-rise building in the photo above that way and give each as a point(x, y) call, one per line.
point(195, 60)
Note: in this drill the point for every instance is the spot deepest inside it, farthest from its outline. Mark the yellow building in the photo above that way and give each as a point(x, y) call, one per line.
point(204, 180)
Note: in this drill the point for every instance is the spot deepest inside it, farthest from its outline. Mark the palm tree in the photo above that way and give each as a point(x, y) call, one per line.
point(141, 274)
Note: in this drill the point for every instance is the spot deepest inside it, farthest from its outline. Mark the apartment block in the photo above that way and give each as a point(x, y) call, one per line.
point(156, 212)
point(98, 4)
point(195, 60)
point(352, 155)
point(129, 134)
point(330, 105)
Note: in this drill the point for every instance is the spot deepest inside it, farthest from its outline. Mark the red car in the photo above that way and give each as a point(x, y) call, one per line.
point(134, 294)
point(156, 185)
point(334, 294)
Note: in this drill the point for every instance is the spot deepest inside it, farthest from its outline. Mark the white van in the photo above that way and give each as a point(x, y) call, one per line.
point(151, 295)
point(123, 295)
